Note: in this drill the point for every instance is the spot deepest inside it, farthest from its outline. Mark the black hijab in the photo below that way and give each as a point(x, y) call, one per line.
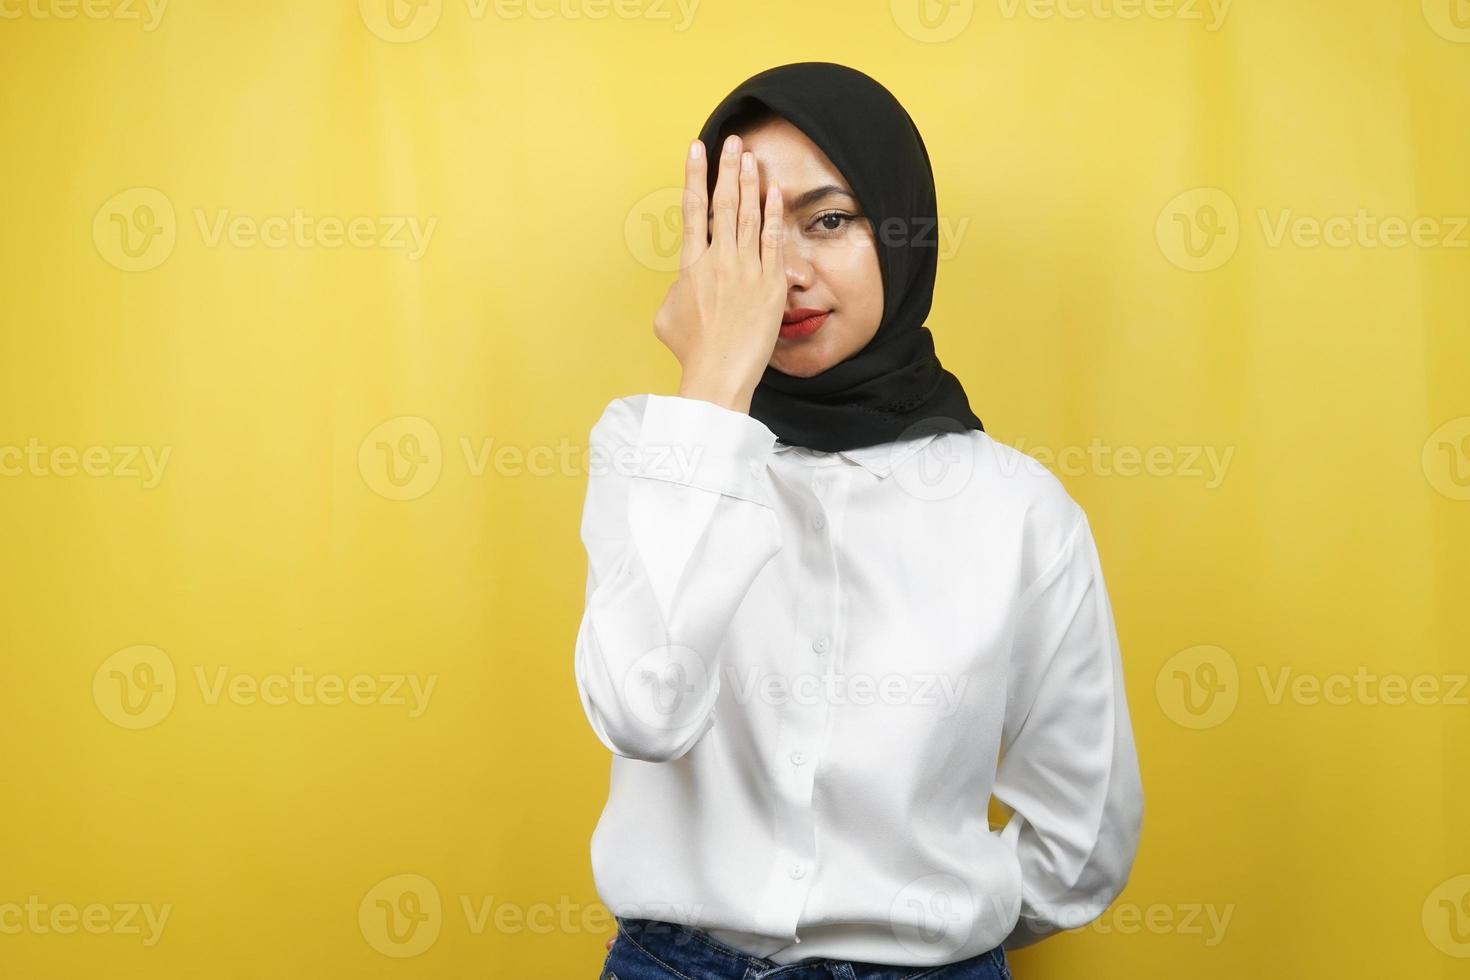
point(883, 391)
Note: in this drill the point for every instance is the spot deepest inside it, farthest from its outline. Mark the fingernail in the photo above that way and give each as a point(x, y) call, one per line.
point(730, 145)
point(696, 149)
point(747, 162)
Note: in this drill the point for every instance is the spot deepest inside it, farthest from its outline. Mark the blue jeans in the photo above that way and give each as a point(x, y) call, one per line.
point(649, 949)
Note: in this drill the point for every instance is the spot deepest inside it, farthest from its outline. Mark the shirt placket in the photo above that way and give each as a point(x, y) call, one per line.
point(806, 714)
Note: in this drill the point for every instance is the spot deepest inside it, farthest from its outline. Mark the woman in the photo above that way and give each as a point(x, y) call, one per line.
point(827, 616)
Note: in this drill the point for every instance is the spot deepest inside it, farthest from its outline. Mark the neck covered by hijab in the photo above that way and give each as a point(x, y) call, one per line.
point(894, 388)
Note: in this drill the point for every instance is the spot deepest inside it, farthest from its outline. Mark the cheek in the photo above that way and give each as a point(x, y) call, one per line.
point(851, 271)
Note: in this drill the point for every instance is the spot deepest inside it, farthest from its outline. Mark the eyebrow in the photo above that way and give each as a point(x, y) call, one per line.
point(816, 194)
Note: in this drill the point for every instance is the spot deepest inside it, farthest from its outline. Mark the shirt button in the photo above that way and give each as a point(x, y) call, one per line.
point(821, 643)
point(818, 521)
point(797, 758)
point(797, 870)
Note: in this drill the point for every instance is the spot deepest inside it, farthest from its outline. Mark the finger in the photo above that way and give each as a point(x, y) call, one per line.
point(773, 233)
point(696, 205)
point(727, 195)
point(750, 205)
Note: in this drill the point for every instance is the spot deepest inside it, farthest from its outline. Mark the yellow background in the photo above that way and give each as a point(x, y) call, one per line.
point(1070, 153)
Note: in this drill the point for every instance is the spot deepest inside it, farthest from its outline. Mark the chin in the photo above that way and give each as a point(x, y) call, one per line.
point(801, 363)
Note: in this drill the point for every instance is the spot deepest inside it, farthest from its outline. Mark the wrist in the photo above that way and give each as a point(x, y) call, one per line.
point(721, 391)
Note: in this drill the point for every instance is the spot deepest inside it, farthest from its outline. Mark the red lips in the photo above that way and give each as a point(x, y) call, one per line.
point(800, 313)
point(802, 322)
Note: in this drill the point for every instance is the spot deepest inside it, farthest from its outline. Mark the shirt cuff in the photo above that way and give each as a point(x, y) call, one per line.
point(697, 443)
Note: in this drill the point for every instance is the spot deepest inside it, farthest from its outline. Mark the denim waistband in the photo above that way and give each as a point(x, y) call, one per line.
point(695, 953)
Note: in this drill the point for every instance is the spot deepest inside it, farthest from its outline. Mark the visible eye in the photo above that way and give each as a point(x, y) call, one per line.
point(832, 222)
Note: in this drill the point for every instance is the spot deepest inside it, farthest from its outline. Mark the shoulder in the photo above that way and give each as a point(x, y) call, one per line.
point(1026, 498)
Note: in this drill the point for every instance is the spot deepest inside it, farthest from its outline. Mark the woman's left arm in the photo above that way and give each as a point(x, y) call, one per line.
point(1068, 769)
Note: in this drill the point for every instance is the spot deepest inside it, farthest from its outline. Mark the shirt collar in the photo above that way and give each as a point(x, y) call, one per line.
point(880, 459)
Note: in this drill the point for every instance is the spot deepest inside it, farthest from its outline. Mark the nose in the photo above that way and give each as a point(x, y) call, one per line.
point(799, 270)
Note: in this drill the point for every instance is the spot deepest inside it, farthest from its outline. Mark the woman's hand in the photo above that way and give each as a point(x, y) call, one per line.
point(722, 315)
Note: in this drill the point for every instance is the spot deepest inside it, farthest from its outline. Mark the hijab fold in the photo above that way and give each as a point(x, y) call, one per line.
point(894, 387)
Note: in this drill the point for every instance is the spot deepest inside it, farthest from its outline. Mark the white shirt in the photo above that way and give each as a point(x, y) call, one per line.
point(807, 666)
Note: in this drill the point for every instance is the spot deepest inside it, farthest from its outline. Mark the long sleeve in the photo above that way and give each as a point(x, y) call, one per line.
point(677, 524)
point(1068, 770)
